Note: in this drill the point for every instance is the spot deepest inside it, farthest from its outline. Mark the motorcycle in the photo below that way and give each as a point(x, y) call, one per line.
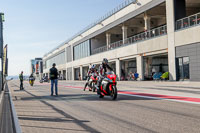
point(92, 82)
point(108, 86)
point(31, 81)
point(44, 79)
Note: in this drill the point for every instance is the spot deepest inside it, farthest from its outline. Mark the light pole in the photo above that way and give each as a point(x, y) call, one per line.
point(1, 46)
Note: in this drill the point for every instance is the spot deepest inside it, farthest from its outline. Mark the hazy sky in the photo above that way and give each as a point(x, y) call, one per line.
point(34, 27)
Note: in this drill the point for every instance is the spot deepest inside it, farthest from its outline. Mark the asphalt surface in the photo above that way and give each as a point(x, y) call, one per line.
point(77, 111)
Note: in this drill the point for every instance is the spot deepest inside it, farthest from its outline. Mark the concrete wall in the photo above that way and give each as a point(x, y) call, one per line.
point(187, 36)
point(61, 67)
point(155, 44)
point(193, 52)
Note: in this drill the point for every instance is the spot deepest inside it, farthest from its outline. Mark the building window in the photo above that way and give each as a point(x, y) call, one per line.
point(183, 68)
point(82, 50)
point(58, 59)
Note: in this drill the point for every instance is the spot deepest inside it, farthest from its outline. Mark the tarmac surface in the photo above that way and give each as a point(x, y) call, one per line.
point(141, 109)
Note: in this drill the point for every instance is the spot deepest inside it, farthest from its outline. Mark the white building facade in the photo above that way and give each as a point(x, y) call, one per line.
point(144, 36)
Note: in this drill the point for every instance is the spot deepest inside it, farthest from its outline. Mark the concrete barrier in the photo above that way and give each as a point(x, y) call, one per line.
point(8, 118)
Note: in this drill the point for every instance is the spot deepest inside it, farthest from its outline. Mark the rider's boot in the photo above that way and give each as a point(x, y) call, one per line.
point(98, 88)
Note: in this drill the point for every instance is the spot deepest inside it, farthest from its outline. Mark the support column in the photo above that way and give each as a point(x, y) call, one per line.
point(108, 39)
point(147, 22)
point(64, 74)
point(118, 68)
point(148, 70)
point(72, 51)
point(65, 54)
point(81, 72)
point(124, 33)
point(171, 39)
point(140, 63)
point(68, 77)
point(73, 74)
point(61, 74)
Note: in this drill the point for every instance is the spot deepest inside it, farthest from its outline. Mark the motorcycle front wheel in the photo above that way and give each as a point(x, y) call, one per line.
point(114, 92)
point(93, 87)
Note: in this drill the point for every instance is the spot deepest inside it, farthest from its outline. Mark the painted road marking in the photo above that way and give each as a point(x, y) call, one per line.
point(162, 97)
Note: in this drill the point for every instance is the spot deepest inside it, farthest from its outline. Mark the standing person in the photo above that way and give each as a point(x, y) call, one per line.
point(54, 79)
point(136, 76)
point(79, 76)
point(21, 78)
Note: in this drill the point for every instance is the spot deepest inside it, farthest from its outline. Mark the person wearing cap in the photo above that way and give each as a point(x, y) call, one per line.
point(54, 79)
point(21, 78)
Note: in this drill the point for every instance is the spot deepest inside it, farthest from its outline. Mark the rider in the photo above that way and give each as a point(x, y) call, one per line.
point(31, 78)
point(91, 71)
point(102, 72)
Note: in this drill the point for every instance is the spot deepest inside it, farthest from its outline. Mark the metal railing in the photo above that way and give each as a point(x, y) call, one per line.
point(186, 22)
point(131, 40)
point(107, 15)
point(99, 50)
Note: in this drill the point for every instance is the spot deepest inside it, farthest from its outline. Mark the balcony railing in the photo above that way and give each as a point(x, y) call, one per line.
point(187, 22)
point(131, 40)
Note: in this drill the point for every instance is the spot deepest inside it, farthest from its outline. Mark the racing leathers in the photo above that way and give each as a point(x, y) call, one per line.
point(102, 73)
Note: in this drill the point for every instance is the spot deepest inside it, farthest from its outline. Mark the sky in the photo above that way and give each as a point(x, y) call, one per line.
point(34, 27)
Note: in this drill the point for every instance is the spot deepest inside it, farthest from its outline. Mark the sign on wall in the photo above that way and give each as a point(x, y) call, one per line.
point(5, 61)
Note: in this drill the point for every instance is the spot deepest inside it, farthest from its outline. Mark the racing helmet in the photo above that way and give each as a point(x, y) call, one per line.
point(93, 66)
point(105, 61)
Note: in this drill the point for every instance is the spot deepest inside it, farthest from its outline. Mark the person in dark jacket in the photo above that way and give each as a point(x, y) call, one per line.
point(21, 78)
point(54, 79)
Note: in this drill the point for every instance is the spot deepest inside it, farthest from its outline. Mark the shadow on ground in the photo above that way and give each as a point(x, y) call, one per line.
point(67, 117)
point(81, 97)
